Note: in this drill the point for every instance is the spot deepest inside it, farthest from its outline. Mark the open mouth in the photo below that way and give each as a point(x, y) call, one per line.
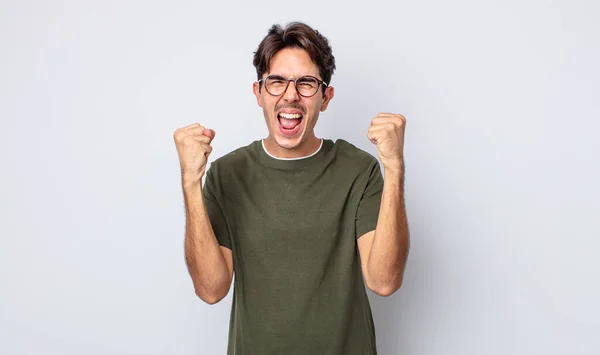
point(289, 123)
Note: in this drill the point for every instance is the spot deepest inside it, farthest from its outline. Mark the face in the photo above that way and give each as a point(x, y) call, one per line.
point(291, 118)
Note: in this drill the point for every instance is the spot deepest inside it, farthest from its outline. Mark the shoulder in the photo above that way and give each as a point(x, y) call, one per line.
point(236, 156)
point(348, 152)
point(234, 159)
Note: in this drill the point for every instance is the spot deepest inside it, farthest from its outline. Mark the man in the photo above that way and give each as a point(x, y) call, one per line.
point(304, 222)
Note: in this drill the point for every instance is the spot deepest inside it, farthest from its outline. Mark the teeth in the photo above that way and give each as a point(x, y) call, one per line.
point(290, 116)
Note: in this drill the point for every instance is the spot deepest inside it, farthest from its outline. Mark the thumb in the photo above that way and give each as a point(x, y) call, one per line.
point(209, 133)
point(373, 137)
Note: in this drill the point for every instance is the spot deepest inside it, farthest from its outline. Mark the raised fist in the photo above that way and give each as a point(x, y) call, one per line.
point(193, 148)
point(387, 132)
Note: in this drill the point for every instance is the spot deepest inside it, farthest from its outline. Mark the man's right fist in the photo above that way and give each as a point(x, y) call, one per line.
point(193, 148)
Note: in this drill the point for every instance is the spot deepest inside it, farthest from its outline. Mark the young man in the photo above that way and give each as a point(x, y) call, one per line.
point(303, 221)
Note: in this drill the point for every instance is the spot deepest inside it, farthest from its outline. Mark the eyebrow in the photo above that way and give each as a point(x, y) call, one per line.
point(284, 77)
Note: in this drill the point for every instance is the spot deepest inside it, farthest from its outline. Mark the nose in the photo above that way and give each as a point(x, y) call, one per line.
point(291, 94)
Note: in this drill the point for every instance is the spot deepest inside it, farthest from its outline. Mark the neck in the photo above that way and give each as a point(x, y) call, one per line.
point(305, 149)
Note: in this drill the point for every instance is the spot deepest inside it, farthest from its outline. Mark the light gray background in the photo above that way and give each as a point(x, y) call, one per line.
point(502, 102)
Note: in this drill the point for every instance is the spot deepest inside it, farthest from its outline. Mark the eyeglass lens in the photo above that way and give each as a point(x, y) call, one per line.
point(306, 86)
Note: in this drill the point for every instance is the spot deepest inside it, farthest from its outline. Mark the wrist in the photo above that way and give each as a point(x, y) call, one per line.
point(394, 169)
point(191, 181)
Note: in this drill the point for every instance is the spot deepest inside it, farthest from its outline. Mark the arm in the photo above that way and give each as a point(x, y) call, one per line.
point(209, 264)
point(384, 251)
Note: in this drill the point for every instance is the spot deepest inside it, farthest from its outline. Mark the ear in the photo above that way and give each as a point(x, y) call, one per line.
point(256, 90)
point(327, 96)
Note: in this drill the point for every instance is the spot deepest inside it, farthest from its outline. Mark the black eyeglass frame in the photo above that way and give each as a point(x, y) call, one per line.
point(320, 82)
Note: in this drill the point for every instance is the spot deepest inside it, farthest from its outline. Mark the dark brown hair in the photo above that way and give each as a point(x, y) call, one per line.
point(295, 35)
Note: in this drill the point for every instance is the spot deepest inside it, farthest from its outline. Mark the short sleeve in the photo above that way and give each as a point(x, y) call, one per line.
point(215, 211)
point(368, 207)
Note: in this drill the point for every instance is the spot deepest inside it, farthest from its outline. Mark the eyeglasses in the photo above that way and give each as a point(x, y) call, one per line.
point(306, 86)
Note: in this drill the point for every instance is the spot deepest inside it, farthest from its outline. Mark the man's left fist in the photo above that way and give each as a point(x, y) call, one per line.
point(387, 132)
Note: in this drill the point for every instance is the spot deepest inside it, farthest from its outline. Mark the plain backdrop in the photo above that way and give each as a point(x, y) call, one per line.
point(502, 166)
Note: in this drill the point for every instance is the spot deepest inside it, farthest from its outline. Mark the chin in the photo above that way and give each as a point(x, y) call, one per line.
point(288, 142)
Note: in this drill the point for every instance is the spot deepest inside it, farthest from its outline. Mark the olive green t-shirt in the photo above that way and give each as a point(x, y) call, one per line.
point(292, 226)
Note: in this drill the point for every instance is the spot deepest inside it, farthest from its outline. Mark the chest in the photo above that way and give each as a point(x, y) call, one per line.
point(274, 215)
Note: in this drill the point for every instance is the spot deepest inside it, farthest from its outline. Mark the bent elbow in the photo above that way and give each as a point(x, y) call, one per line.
point(209, 298)
point(212, 300)
point(386, 289)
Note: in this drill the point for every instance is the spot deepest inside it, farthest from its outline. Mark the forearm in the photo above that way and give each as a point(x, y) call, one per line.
point(389, 251)
point(205, 261)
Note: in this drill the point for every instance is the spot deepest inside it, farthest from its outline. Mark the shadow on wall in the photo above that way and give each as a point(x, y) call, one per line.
point(401, 320)
point(405, 318)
